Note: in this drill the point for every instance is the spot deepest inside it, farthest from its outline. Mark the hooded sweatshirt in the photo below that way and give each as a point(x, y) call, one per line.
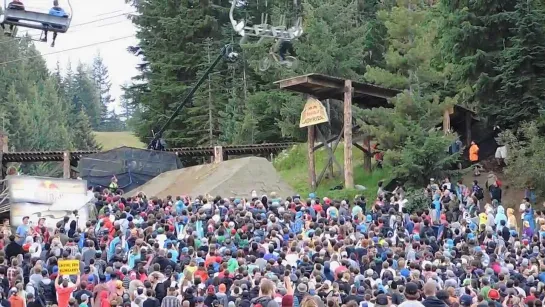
point(511, 219)
point(500, 216)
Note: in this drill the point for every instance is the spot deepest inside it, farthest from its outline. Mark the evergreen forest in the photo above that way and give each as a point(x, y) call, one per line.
point(42, 110)
point(487, 56)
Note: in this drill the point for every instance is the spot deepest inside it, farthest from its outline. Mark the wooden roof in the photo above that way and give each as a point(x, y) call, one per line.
point(365, 94)
point(327, 87)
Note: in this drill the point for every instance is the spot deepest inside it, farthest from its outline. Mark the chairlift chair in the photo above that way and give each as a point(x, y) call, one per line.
point(37, 20)
point(264, 30)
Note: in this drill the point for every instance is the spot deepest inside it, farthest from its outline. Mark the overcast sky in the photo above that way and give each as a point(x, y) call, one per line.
point(101, 20)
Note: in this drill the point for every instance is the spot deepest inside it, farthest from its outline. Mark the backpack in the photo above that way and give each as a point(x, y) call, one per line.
point(479, 193)
point(262, 303)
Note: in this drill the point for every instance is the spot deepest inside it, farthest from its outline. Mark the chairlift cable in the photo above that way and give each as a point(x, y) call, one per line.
point(65, 50)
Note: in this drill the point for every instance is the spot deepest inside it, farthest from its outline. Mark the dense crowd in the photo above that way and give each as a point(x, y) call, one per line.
point(296, 251)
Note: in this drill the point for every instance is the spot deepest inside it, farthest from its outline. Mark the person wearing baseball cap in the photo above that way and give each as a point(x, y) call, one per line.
point(412, 296)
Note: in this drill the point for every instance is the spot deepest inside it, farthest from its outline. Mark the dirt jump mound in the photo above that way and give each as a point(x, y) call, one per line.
point(232, 178)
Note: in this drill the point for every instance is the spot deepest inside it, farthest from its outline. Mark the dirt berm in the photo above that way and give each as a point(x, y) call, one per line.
point(232, 178)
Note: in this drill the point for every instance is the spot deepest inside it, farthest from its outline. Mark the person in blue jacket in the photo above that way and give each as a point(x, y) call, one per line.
point(58, 11)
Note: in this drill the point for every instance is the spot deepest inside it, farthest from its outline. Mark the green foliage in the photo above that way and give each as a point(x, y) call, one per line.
point(36, 110)
point(488, 56)
point(83, 137)
point(415, 150)
point(109, 120)
point(292, 165)
point(246, 107)
point(521, 81)
point(526, 153)
point(416, 201)
point(424, 155)
point(411, 36)
point(497, 51)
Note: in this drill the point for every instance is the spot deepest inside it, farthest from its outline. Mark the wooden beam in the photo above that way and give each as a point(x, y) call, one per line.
point(218, 154)
point(331, 139)
point(446, 121)
point(66, 169)
point(292, 81)
point(331, 159)
point(314, 83)
point(311, 137)
point(468, 122)
point(348, 168)
point(330, 152)
point(4, 142)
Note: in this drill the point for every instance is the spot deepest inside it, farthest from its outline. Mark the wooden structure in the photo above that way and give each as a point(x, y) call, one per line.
point(350, 93)
point(70, 159)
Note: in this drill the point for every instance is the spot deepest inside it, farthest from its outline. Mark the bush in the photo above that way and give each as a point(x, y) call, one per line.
point(525, 156)
point(423, 156)
point(416, 201)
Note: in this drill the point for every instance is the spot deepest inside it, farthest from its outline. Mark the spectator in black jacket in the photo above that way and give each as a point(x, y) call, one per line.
point(13, 249)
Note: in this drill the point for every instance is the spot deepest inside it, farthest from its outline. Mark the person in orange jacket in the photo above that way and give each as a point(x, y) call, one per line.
point(474, 157)
point(15, 299)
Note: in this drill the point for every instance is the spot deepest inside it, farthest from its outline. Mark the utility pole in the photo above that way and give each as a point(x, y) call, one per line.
point(210, 109)
point(245, 86)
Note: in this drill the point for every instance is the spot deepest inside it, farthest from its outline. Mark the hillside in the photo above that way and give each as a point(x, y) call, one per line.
point(110, 140)
point(293, 168)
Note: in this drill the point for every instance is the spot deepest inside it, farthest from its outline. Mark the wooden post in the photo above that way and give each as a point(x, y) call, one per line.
point(218, 154)
point(66, 169)
point(468, 128)
point(4, 146)
point(446, 121)
point(311, 137)
point(348, 168)
point(328, 144)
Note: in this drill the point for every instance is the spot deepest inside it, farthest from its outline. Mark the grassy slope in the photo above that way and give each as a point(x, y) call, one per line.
point(110, 140)
point(293, 167)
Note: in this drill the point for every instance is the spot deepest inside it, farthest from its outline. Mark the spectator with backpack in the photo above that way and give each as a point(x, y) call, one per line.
point(478, 192)
point(267, 290)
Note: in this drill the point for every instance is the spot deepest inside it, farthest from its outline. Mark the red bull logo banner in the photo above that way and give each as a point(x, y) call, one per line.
point(43, 190)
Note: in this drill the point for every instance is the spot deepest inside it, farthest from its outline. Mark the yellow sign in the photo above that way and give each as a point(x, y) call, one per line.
point(68, 267)
point(313, 113)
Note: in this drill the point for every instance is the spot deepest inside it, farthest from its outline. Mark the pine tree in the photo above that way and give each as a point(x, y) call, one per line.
point(128, 107)
point(101, 76)
point(409, 59)
point(178, 59)
point(474, 34)
point(84, 94)
point(410, 63)
point(83, 133)
point(520, 82)
point(34, 109)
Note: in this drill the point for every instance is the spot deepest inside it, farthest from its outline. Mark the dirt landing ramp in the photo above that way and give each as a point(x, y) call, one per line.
point(232, 178)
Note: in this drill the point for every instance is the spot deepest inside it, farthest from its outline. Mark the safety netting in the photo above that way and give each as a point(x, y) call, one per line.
point(132, 167)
